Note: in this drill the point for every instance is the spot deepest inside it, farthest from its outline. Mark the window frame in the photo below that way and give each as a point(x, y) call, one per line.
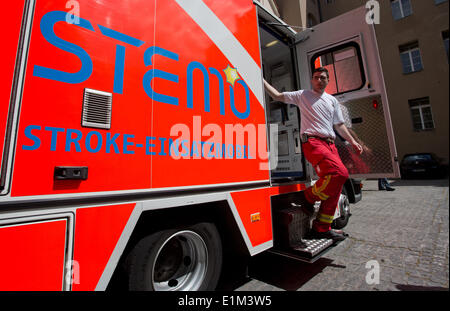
point(445, 41)
point(404, 49)
point(437, 2)
point(335, 49)
point(419, 104)
point(402, 14)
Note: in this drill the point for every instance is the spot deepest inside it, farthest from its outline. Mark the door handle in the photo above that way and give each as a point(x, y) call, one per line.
point(71, 172)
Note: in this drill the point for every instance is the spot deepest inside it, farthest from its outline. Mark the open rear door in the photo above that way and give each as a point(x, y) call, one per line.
point(347, 47)
point(280, 70)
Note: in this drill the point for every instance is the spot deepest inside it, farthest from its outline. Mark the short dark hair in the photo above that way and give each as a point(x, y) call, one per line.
point(321, 69)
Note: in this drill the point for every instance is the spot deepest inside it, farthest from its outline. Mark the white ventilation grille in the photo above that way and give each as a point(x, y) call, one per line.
point(97, 109)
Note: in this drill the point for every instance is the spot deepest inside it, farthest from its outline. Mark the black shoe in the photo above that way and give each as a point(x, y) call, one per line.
point(389, 188)
point(381, 188)
point(336, 237)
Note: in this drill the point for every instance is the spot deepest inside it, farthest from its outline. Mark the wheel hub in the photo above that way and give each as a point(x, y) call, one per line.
point(181, 262)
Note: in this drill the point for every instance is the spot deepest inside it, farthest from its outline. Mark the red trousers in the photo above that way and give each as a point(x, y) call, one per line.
point(332, 174)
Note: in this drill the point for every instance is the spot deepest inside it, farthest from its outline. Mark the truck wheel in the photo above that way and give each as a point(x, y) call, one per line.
point(344, 206)
point(184, 259)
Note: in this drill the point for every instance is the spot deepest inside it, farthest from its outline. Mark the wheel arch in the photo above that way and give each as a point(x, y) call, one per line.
point(350, 190)
point(152, 220)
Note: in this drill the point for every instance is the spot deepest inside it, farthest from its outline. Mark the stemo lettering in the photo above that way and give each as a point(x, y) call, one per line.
point(48, 22)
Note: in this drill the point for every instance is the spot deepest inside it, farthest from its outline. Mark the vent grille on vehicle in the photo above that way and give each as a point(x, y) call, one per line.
point(97, 109)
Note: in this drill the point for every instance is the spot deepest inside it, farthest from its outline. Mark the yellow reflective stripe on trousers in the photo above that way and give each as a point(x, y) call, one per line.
point(325, 218)
point(318, 191)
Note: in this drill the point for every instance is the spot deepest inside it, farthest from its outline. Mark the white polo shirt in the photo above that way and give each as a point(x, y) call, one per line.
point(318, 113)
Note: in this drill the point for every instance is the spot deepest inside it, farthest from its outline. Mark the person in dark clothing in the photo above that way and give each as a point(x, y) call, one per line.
point(383, 184)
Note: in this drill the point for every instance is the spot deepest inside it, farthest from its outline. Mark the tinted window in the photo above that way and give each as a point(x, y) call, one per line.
point(345, 68)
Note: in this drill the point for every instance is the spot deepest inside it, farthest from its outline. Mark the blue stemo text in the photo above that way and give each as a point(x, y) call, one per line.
point(124, 41)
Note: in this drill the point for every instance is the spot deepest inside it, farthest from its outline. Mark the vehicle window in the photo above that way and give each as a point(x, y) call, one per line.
point(344, 64)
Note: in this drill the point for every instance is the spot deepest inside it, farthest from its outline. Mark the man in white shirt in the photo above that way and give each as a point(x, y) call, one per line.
point(320, 113)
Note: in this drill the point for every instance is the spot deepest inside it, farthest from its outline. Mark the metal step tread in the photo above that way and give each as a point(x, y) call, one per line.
point(307, 250)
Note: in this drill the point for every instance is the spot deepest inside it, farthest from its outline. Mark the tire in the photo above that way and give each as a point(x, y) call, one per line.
point(344, 206)
point(183, 259)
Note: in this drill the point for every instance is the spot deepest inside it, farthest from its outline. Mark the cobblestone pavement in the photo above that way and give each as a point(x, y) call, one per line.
point(405, 231)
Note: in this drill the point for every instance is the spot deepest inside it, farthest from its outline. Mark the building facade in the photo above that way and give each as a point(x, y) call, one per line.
point(413, 41)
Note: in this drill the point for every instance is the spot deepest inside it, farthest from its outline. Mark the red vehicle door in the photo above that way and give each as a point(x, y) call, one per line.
point(106, 87)
point(11, 19)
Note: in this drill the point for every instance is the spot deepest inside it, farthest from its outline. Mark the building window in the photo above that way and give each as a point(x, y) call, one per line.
point(410, 56)
point(439, 1)
point(445, 38)
point(421, 114)
point(401, 8)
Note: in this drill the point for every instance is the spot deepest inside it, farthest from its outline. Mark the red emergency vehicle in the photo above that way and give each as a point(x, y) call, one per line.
point(135, 136)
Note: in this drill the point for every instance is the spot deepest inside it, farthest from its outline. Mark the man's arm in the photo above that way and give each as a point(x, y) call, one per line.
point(273, 92)
point(366, 149)
point(343, 131)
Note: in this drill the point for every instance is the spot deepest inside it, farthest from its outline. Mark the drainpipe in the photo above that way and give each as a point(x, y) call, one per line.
point(274, 7)
point(320, 11)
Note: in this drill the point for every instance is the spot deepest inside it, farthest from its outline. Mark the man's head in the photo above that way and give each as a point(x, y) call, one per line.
point(320, 79)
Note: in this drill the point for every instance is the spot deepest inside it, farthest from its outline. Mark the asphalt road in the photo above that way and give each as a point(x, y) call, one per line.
point(399, 241)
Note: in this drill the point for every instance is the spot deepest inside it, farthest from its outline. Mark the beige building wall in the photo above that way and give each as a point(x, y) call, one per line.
point(299, 13)
point(293, 12)
point(270, 6)
point(425, 25)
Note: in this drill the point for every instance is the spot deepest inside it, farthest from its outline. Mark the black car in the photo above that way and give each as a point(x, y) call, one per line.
point(422, 165)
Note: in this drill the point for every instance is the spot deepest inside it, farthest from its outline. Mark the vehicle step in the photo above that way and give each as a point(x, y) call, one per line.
point(307, 250)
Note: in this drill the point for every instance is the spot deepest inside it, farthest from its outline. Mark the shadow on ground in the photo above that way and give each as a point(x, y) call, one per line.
point(420, 182)
point(281, 272)
point(286, 273)
point(404, 287)
point(413, 183)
